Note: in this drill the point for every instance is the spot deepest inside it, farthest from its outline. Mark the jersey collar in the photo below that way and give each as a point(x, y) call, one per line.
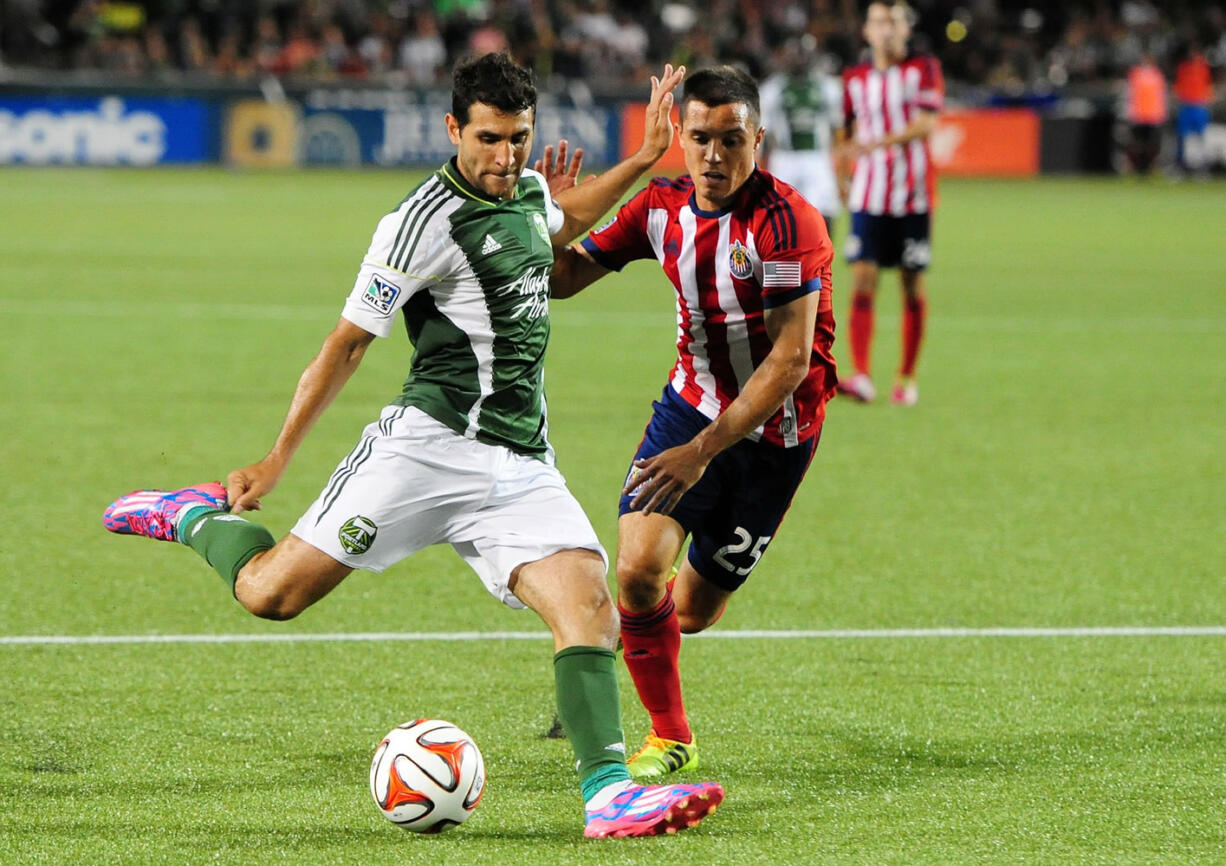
point(751, 183)
point(452, 177)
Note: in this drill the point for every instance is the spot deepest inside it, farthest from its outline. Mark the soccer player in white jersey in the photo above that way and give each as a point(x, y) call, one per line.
point(802, 106)
point(891, 105)
point(461, 455)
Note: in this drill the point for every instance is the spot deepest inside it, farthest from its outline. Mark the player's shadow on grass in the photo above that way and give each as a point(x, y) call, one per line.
point(861, 761)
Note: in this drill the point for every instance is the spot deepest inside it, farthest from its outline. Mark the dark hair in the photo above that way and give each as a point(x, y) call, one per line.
point(908, 10)
point(494, 79)
point(721, 85)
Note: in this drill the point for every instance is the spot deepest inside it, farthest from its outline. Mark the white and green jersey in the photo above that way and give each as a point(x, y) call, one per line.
point(801, 112)
point(471, 273)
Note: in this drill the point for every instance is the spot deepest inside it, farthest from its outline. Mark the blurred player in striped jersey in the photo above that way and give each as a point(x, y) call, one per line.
point(890, 105)
point(733, 432)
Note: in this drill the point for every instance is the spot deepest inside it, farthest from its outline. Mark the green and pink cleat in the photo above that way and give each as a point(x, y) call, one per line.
point(157, 513)
point(653, 810)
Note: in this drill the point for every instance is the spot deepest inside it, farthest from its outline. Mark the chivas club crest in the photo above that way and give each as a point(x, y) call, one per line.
point(738, 261)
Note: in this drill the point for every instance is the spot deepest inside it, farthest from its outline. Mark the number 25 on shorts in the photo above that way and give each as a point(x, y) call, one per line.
point(745, 542)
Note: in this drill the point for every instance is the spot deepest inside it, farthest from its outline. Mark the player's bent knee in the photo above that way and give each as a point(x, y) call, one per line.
point(268, 607)
point(639, 586)
point(267, 594)
point(597, 605)
point(640, 580)
point(268, 604)
point(569, 592)
point(603, 616)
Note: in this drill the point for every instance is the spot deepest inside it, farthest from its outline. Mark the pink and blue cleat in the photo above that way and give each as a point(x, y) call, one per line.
point(156, 513)
point(654, 809)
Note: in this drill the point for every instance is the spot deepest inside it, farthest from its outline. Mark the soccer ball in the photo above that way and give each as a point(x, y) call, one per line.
point(427, 776)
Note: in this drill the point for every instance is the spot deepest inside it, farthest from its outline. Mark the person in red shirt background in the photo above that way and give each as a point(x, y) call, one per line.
point(1194, 91)
point(1147, 113)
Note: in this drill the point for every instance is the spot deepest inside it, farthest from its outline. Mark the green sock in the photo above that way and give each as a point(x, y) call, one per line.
point(590, 709)
point(226, 541)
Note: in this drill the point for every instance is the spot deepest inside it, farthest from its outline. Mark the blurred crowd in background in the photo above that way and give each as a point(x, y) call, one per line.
point(1009, 47)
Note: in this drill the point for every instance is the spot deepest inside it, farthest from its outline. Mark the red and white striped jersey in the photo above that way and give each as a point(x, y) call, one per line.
point(900, 179)
point(729, 266)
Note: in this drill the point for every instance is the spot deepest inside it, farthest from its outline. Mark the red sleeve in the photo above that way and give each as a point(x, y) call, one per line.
point(932, 85)
point(623, 238)
point(796, 252)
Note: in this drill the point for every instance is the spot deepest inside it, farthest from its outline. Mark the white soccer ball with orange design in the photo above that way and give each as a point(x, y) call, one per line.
point(427, 776)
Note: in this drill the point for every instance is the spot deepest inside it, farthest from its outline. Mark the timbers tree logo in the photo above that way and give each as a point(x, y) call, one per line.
point(542, 227)
point(357, 534)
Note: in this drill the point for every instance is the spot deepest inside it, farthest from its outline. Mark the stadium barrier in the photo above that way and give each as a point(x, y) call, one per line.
point(107, 130)
point(146, 125)
point(991, 142)
point(318, 126)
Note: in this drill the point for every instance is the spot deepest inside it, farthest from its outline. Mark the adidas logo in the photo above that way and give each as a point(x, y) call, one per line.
point(490, 246)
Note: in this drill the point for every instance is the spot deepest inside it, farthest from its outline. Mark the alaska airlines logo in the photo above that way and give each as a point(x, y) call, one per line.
point(739, 262)
point(533, 291)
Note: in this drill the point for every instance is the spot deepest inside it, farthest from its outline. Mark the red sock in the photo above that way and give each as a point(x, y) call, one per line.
point(914, 310)
point(861, 329)
point(652, 643)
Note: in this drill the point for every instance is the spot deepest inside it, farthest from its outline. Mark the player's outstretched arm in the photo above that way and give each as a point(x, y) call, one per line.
point(662, 480)
point(321, 381)
point(573, 271)
point(583, 204)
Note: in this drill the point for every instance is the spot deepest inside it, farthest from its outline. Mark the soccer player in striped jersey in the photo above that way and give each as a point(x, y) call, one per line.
point(735, 428)
point(891, 105)
point(461, 455)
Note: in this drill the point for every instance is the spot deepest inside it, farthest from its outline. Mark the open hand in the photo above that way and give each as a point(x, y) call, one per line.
point(658, 126)
point(559, 175)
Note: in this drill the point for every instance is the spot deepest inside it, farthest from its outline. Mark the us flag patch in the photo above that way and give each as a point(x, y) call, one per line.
point(784, 275)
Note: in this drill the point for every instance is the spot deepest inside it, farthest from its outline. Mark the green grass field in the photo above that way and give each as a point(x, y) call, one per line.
point(1064, 469)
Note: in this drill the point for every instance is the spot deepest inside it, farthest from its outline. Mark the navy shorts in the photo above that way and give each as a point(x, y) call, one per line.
point(734, 510)
point(890, 241)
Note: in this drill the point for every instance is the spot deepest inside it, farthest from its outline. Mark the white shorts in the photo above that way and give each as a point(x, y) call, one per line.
point(412, 482)
point(812, 173)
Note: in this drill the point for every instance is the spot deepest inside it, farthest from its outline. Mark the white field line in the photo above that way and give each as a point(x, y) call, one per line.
point(326, 314)
point(802, 634)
